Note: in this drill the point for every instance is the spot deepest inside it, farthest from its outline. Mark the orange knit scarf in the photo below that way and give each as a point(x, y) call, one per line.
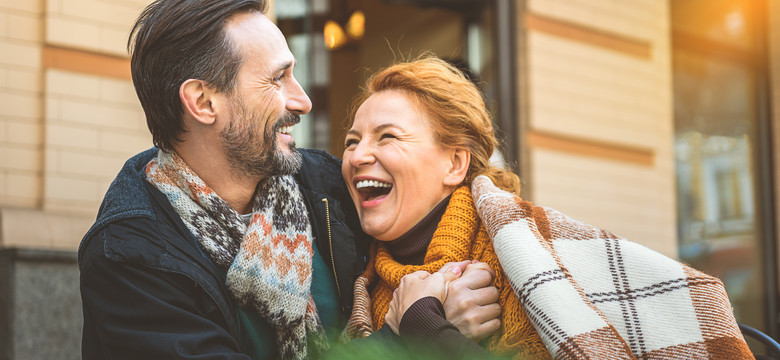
point(461, 236)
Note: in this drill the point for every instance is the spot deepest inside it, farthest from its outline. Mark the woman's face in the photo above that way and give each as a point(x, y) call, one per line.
point(394, 168)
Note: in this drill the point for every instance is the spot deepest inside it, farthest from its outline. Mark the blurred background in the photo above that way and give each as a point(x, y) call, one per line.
point(658, 120)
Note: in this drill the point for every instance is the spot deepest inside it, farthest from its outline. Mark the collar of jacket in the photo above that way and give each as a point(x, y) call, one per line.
point(127, 196)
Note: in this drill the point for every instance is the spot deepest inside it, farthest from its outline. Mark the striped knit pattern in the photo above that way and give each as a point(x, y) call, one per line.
point(459, 236)
point(268, 262)
point(593, 295)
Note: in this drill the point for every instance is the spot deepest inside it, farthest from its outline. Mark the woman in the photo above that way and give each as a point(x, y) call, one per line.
point(419, 144)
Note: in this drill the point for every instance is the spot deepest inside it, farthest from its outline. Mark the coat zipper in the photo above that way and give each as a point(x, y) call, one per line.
point(330, 244)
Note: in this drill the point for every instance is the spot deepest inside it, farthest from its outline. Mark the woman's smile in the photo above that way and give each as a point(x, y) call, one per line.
point(372, 192)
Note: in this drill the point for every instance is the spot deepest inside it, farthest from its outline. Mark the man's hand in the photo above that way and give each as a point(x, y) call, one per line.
point(472, 304)
point(416, 286)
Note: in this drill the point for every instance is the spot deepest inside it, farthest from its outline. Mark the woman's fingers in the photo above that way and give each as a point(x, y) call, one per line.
point(478, 265)
point(456, 268)
point(419, 274)
point(473, 278)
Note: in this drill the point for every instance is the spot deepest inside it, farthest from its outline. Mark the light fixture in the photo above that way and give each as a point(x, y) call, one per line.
point(333, 35)
point(336, 36)
point(356, 25)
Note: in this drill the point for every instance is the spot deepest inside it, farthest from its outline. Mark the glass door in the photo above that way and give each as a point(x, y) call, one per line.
point(336, 54)
point(718, 73)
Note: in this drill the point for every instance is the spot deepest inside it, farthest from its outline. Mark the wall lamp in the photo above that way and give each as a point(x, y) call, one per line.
point(336, 36)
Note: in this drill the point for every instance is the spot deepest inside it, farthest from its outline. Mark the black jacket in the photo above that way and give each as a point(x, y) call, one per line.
point(148, 291)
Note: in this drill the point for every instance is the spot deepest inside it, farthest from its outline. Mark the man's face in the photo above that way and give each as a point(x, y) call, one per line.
point(266, 101)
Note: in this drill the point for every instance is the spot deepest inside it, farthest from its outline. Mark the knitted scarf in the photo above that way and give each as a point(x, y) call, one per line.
point(594, 295)
point(459, 236)
point(268, 263)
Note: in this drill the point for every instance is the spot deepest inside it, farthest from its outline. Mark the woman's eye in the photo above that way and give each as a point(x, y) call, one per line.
point(387, 136)
point(350, 142)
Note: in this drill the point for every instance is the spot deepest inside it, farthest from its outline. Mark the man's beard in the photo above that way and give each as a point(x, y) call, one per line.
point(254, 151)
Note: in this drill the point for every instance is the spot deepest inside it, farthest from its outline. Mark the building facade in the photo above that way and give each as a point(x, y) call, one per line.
point(655, 119)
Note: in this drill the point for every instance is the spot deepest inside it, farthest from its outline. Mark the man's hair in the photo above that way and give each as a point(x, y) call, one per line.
point(176, 40)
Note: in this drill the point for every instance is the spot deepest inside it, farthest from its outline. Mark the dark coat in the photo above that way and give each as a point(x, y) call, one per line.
point(149, 292)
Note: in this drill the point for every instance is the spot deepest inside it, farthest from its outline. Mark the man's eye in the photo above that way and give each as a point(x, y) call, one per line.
point(279, 77)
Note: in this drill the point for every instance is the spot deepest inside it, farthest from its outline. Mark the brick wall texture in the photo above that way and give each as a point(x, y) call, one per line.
point(63, 135)
point(577, 89)
point(21, 85)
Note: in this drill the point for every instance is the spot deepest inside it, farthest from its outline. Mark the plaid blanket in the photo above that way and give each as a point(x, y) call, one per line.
point(594, 295)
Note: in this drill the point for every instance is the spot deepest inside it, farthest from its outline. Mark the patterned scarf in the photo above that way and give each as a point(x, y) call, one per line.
point(268, 262)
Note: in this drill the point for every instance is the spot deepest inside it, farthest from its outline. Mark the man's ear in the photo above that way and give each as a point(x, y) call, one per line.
point(460, 159)
point(198, 101)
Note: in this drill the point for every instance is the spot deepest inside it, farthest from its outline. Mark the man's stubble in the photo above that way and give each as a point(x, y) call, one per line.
point(251, 144)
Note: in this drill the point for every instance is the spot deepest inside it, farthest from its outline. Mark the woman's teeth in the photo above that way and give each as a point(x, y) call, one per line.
point(371, 183)
point(285, 129)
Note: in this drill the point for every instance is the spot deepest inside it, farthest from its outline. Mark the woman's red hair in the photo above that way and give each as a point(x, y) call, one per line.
point(455, 109)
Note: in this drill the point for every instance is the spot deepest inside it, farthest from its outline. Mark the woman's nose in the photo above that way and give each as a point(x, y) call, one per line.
point(362, 154)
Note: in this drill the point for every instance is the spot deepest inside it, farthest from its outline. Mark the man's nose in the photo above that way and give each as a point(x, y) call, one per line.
point(297, 100)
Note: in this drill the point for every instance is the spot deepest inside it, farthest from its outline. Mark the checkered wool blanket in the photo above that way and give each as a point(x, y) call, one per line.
point(594, 295)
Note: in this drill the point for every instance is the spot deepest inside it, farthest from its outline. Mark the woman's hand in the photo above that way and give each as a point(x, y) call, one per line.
point(472, 304)
point(416, 286)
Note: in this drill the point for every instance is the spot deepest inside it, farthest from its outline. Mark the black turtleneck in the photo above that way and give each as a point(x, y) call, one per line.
point(410, 248)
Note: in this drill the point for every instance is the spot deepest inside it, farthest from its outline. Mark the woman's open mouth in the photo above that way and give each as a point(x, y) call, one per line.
point(371, 191)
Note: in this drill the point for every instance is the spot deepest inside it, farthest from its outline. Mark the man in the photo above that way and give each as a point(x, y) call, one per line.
point(227, 242)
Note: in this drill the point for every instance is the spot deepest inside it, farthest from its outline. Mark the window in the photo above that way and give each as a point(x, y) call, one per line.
point(717, 73)
point(461, 31)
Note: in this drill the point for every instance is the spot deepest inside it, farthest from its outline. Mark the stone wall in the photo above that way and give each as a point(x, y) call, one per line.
point(40, 305)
